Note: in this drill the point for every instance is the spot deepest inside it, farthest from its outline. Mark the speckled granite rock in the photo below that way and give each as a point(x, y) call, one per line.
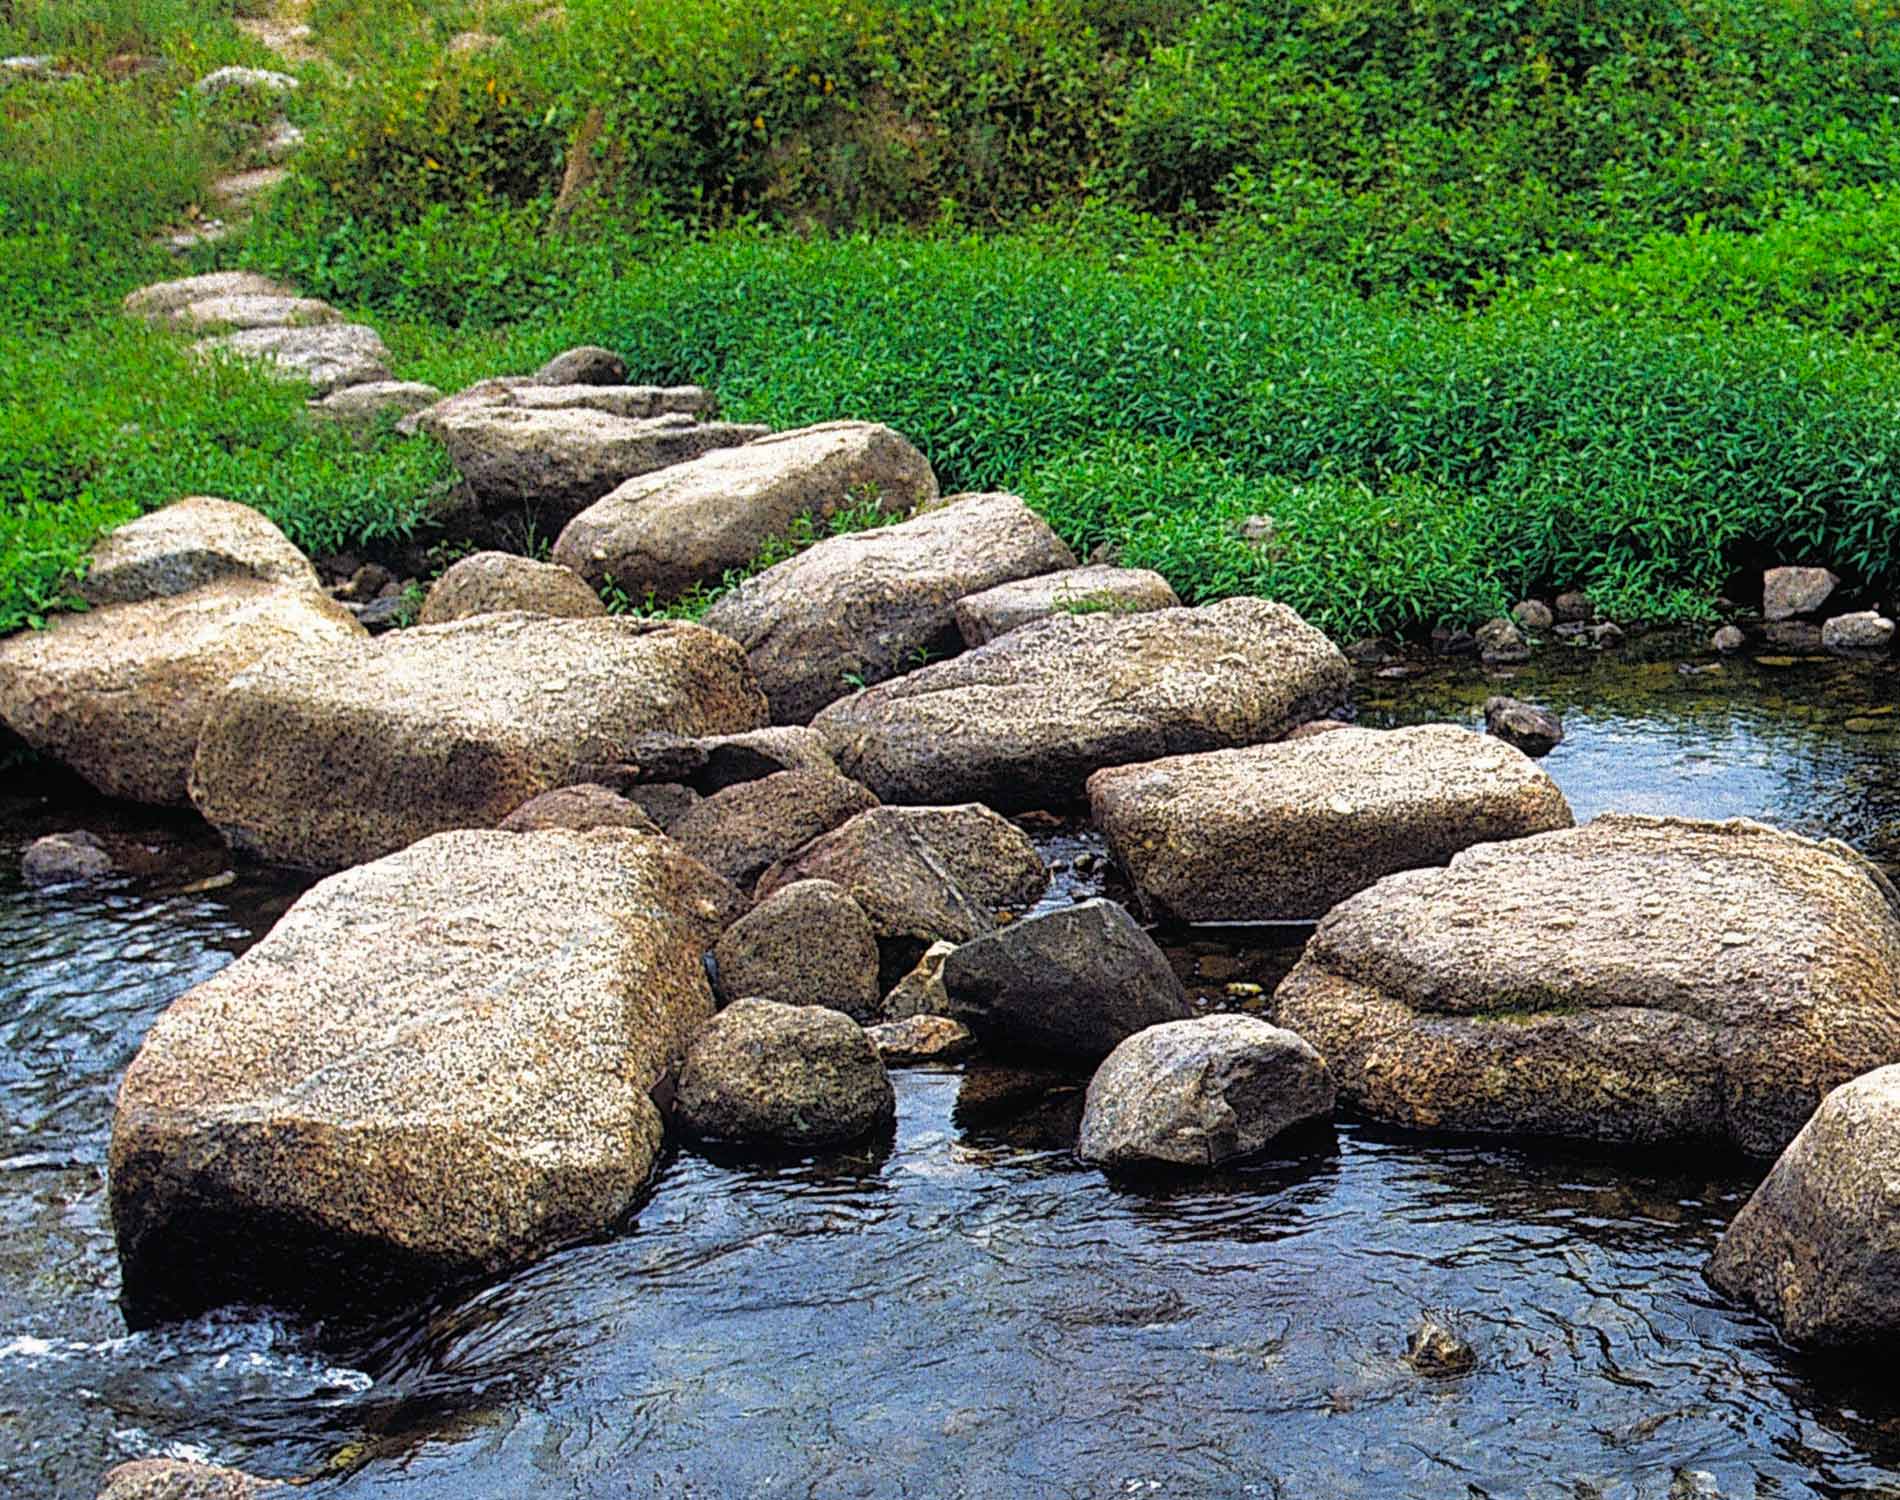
point(766, 1074)
point(920, 992)
point(178, 1479)
point(1076, 982)
point(325, 357)
point(327, 761)
point(921, 1039)
point(580, 808)
point(186, 545)
point(1024, 721)
point(745, 829)
point(488, 582)
point(1200, 1092)
point(161, 301)
point(870, 605)
point(922, 873)
point(434, 1067)
point(1817, 1249)
point(1637, 979)
point(254, 310)
point(361, 405)
point(1097, 589)
point(1284, 832)
point(1791, 592)
point(809, 944)
point(588, 364)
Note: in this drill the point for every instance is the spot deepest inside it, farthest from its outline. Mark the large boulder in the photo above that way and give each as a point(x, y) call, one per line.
point(1024, 721)
point(1201, 1092)
point(553, 462)
point(326, 357)
point(435, 1067)
point(325, 761)
point(870, 605)
point(121, 694)
point(1788, 593)
point(1096, 589)
point(745, 829)
point(1638, 979)
point(1817, 1249)
point(1075, 982)
point(664, 533)
point(486, 583)
point(922, 874)
point(765, 1074)
point(186, 545)
point(1278, 833)
point(810, 944)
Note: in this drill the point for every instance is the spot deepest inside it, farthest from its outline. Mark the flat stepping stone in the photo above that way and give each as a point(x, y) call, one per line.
point(326, 358)
point(1092, 590)
point(1023, 722)
point(254, 311)
point(1639, 980)
point(1284, 832)
point(164, 300)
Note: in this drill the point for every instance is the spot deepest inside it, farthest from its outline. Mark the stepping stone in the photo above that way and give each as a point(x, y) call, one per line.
point(1093, 590)
point(326, 358)
point(1641, 980)
point(1282, 833)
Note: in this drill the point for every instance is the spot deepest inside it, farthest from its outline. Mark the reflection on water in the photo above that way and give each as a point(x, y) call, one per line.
point(963, 1309)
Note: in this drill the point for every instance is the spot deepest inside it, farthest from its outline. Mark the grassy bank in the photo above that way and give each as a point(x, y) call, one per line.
point(1468, 300)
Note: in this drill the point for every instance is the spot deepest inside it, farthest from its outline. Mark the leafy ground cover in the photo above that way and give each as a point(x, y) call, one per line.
point(1468, 300)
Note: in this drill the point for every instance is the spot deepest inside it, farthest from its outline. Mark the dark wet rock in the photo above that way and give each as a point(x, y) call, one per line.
point(862, 608)
point(1857, 634)
point(64, 859)
point(587, 365)
point(1024, 721)
point(920, 992)
point(1500, 642)
point(578, 808)
point(928, 874)
point(331, 759)
point(435, 1067)
point(1448, 642)
point(1728, 639)
point(1370, 651)
point(1814, 1250)
point(808, 944)
point(761, 1073)
point(1282, 832)
point(1076, 982)
point(921, 1039)
point(663, 801)
point(1200, 1092)
point(1534, 730)
point(1436, 1349)
point(665, 533)
point(982, 617)
point(366, 582)
point(747, 828)
point(326, 357)
point(1638, 979)
point(1533, 615)
point(186, 599)
point(1574, 609)
point(488, 582)
point(181, 1479)
point(379, 615)
point(1607, 633)
point(1788, 593)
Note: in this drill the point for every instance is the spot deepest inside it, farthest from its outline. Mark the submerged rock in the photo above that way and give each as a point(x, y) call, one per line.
point(870, 605)
point(489, 582)
point(1534, 730)
point(761, 1073)
point(1638, 979)
point(809, 943)
point(1075, 982)
point(1201, 1092)
point(1436, 1349)
point(65, 859)
point(1815, 1249)
point(1283, 832)
point(435, 1067)
point(1787, 593)
point(329, 760)
point(1023, 722)
point(185, 599)
point(981, 618)
point(666, 532)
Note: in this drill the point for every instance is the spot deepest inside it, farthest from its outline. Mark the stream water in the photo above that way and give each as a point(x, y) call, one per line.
point(962, 1309)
